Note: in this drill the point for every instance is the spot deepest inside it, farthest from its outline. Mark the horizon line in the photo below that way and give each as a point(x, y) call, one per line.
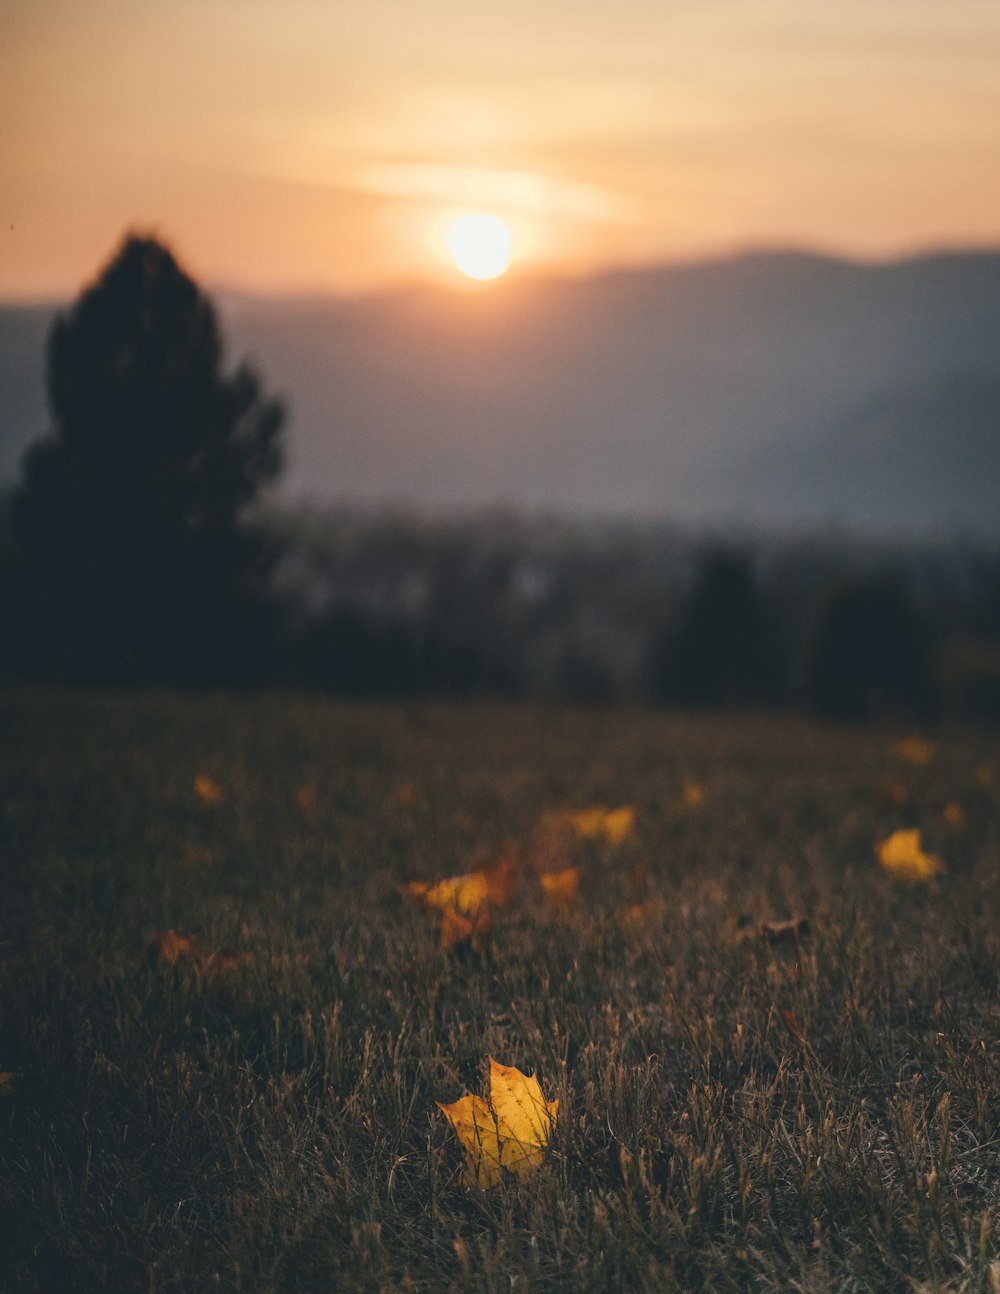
point(533, 276)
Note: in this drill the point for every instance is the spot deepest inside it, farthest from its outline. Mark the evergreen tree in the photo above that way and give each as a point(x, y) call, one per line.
point(135, 556)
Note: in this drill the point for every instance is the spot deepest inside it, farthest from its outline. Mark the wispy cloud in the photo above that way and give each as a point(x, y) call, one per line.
point(523, 191)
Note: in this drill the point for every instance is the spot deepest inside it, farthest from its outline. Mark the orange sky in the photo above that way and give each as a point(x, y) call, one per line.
point(314, 144)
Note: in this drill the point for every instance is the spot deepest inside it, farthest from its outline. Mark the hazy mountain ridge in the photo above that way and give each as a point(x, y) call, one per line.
point(770, 386)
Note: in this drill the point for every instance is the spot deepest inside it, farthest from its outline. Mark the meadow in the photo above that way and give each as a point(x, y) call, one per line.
point(740, 1108)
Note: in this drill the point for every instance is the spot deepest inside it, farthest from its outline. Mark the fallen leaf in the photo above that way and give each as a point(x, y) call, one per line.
point(475, 1126)
point(915, 749)
point(598, 823)
point(507, 1134)
point(207, 789)
point(560, 888)
point(462, 894)
point(902, 856)
point(784, 932)
point(953, 815)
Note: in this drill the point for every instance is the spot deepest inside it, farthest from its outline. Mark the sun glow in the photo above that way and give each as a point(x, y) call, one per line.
point(480, 245)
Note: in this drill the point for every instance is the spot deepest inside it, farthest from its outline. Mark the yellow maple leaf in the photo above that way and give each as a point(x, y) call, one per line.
point(207, 789)
point(560, 888)
point(902, 856)
point(915, 750)
point(507, 1134)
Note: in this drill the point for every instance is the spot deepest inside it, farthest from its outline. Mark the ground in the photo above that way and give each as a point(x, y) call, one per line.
point(256, 1108)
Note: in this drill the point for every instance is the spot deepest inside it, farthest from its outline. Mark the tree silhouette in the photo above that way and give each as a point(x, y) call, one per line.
point(869, 653)
point(136, 557)
point(726, 648)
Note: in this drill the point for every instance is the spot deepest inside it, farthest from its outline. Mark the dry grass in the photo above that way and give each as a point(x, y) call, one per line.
point(820, 1112)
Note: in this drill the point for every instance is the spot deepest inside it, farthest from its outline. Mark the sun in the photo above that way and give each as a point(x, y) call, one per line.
point(480, 245)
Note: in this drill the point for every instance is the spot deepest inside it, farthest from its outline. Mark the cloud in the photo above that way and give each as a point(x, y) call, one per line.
point(523, 191)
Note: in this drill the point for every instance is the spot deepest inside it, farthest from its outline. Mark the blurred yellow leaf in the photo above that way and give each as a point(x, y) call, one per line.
point(307, 799)
point(462, 894)
point(985, 774)
point(587, 823)
point(560, 888)
point(915, 750)
point(6, 1082)
point(466, 894)
point(507, 1134)
point(597, 822)
point(207, 789)
point(953, 815)
point(619, 824)
point(902, 856)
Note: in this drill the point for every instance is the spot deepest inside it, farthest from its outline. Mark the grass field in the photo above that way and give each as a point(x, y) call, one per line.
point(821, 1114)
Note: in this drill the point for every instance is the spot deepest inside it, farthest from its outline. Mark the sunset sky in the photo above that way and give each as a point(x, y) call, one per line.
point(316, 145)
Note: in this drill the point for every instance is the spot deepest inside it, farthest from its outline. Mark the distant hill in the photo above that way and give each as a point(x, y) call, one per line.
point(769, 387)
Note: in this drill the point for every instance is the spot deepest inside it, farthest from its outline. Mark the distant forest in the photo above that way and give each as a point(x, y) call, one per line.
point(409, 603)
point(365, 603)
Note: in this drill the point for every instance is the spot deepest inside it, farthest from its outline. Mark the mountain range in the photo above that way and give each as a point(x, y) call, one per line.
point(780, 388)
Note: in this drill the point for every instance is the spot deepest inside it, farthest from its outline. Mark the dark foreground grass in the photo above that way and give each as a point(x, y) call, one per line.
point(734, 1116)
